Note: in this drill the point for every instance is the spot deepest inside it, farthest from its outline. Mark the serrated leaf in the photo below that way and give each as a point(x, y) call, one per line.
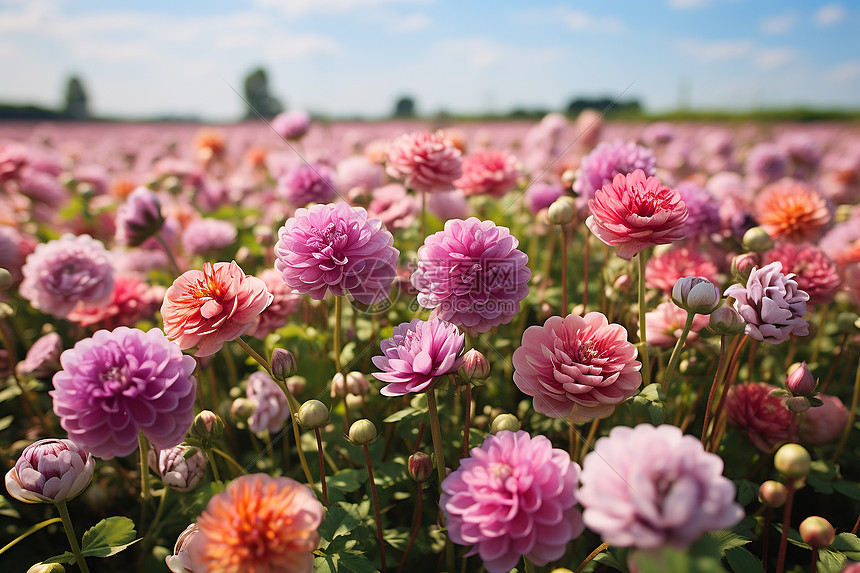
point(67, 557)
point(847, 543)
point(830, 561)
point(728, 540)
point(742, 561)
point(340, 519)
point(347, 480)
point(108, 537)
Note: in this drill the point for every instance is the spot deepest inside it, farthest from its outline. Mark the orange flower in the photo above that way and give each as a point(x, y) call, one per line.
point(259, 524)
point(209, 144)
point(791, 210)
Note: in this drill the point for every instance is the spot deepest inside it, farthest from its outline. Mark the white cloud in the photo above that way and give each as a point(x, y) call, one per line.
point(409, 23)
point(717, 50)
point(845, 72)
point(774, 57)
point(580, 20)
point(301, 8)
point(481, 52)
point(830, 14)
point(779, 23)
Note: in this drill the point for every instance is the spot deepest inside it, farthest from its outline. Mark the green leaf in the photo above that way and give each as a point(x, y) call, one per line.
point(6, 421)
point(747, 491)
point(830, 561)
point(108, 537)
point(848, 489)
point(818, 484)
point(343, 563)
point(340, 519)
point(347, 480)
point(397, 537)
point(742, 561)
point(402, 414)
point(670, 559)
point(728, 540)
point(7, 509)
point(847, 543)
point(615, 558)
point(67, 557)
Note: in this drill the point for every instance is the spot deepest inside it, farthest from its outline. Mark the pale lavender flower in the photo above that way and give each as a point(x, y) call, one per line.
point(703, 209)
point(766, 163)
point(207, 236)
point(541, 195)
point(271, 410)
point(50, 470)
point(43, 357)
point(180, 467)
point(292, 125)
point(609, 159)
point(139, 218)
point(307, 184)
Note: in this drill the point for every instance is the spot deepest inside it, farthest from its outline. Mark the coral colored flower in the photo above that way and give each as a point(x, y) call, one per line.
point(649, 487)
point(417, 353)
point(488, 172)
point(607, 161)
point(425, 161)
point(62, 273)
point(336, 248)
point(120, 382)
point(792, 210)
point(635, 212)
point(762, 417)
point(663, 271)
point(814, 271)
point(285, 303)
point(577, 367)
point(270, 404)
point(207, 236)
point(513, 496)
point(307, 184)
point(292, 125)
point(664, 325)
point(210, 307)
point(49, 471)
point(259, 524)
point(132, 301)
point(771, 304)
point(139, 218)
point(472, 274)
point(823, 424)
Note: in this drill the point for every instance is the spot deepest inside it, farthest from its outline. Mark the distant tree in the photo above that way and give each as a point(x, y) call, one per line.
point(631, 107)
point(76, 99)
point(258, 98)
point(405, 107)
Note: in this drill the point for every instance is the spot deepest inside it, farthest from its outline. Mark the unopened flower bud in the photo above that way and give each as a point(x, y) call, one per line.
point(353, 402)
point(242, 408)
point(562, 211)
point(726, 321)
point(207, 425)
point(50, 470)
point(46, 568)
point(362, 432)
point(772, 493)
point(623, 283)
point(6, 279)
point(743, 264)
point(799, 380)
point(757, 240)
point(817, 532)
point(353, 383)
point(697, 295)
point(568, 177)
point(181, 467)
point(504, 422)
point(420, 466)
point(792, 460)
point(475, 366)
point(313, 414)
point(283, 364)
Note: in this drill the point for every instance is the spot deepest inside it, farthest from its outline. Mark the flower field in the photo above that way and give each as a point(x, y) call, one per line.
point(564, 345)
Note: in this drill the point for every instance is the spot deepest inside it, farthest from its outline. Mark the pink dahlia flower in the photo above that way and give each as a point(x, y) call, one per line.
point(392, 205)
point(541, 195)
point(207, 236)
point(43, 357)
point(292, 125)
point(62, 273)
point(663, 271)
point(120, 382)
point(472, 274)
point(132, 301)
point(577, 367)
point(772, 304)
point(488, 172)
point(210, 307)
point(307, 184)
point(417, 353)
point(285, 303)
point(825, 423)
point(49, 471)
point(336, 248)
point(648, 487)
point(425, 161)
point(270, 404)
point(761, 416)
point(514, 495)
point(139, 218)
point(357, 174)
point(607, 161)
point(664, 325)
point(814, 271)
point(635, 212)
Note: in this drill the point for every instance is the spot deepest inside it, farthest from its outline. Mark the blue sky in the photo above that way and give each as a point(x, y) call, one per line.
point(344, 57)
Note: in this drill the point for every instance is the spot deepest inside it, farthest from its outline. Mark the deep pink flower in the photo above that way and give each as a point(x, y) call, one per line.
point(771, 304)
point(663, 271)
point(336, 248)
point(285, 303)
point(49, 471)
point(490, 172)
point(472, 274)
point(270, 404)
point(120, 382)
point(62, 273)
point(210, 307)
point(514, 495)
point(417, 353)
point(649, 487)
point(425, 161)
point(635, 212)
point(132, 301)
point(607, 161)
point(814, 271)
point(825, 423)
point(307, 184)
point(578, 368)
point(762, 417)
point(664, 324)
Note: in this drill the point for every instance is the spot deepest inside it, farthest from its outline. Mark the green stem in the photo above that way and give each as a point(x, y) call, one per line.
point(160, 238)
point(721, 365)
point(143, 446)
point(229, 459)
point(676, 355)
point(646, 368)
point(338, 318)
point(376, 515)
point(437, 435)
point(70, 533)
point(28, 533)
point(322, 466)
point(600, 548)
point(852, 414)
point(215, 475)
point(256, 356)
point(528, 565)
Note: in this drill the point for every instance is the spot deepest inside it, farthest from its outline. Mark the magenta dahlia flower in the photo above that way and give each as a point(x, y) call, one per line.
point(648, 487)
point(607, 161)
point(771, 304)
point(210, 307)
point(762, 416)
point(815, 272)
point(307, 184)
point(577, 367)
point(120, 382)
point(472, 274)
point(635, 212)
point(490, 172)
point(514, 495)
point(62, 273)
point(425, 161)
point(336, 248)
point(417, 353)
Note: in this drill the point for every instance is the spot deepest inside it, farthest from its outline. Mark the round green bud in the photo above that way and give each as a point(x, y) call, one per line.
point(792, 460)
point(362, 432)
point(313, 414)
point(504, 422)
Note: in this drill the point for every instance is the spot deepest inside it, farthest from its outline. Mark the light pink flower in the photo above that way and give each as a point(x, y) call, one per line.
point(270, 404)
point(577, 367)
point(132, 301)
point(285, 303)
point(663, 271)
point(490, 172)
point(825, 423)
point(814, 271)
point(664, 324)
point(210, 307)
point(425, 161)
point(392, 205)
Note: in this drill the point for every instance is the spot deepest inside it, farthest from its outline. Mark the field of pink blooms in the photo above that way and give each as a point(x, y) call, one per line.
point(569, 345)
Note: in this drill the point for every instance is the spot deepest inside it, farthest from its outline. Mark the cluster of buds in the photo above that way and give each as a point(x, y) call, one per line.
point(800, 389)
